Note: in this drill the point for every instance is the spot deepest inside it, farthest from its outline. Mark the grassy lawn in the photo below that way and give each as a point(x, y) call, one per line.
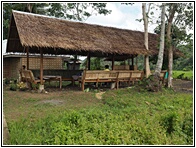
point(122, 117)
point(187, 75)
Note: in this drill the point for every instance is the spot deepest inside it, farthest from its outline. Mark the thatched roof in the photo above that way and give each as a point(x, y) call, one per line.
point(57, 36)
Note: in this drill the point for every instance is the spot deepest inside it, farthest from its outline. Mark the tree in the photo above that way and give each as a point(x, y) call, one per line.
point(145, 19)
point(183, 19)
point(162, 41)
point(173, 8)
point(39, 8)
point(77, 11)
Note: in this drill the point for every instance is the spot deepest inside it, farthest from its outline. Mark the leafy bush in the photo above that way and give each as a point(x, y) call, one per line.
point(180, 76)
point(35, 86)
point(187, 75)
point(7, 81)
point(22, 86)
point(13, 87)
point(169, 122)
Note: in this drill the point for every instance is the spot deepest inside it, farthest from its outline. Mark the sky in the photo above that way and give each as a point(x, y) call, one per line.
point(123, 16)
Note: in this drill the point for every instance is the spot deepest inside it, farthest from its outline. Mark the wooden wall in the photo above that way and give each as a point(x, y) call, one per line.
point(48, 63)
point(12, 65)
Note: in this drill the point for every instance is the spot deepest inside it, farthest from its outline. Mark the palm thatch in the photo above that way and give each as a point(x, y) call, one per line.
point(57, 36)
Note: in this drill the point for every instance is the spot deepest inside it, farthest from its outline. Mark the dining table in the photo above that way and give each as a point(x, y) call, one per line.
point(53, 78)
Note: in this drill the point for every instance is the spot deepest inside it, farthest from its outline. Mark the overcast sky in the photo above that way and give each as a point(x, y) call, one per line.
point(123, 16)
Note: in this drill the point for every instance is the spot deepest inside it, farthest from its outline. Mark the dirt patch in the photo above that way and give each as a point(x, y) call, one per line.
point(52, 102)
point(99, 95)
point(183, 85)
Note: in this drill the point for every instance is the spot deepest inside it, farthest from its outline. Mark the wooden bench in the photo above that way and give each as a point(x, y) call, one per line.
point(27, 76)
point(97, 76)
point(129, 76)
point(136, 76)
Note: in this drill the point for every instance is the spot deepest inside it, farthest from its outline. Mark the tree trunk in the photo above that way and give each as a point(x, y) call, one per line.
point(146, 61)
point(170, 50)
point(162, 41)
point(29, 7)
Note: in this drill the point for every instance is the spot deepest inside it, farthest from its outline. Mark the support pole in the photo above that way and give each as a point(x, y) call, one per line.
point(88, 61)
point(41, 86)
point(41, 66)
point(27, 51)
point(74, 64)
point(132, 60)
point(112, 62)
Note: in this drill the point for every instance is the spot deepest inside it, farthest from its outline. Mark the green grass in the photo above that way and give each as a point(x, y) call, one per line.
point(122, 117)
point(187, 75)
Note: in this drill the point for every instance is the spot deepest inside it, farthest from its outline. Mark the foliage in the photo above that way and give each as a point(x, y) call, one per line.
point(127, 117)
point(96, 63)
point(34, 86)
point(13, 86)
point(77, 11)
point(152, 83)
point(22, 86)
point(186, 75)
point(39, 8)
point(7, 81)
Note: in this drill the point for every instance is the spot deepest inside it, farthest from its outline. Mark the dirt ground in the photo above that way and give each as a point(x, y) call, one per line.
point(178, 85)
point(183, 85)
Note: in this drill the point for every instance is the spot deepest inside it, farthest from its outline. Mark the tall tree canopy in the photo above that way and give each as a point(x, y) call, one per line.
point(181, 15)
point(39, 8)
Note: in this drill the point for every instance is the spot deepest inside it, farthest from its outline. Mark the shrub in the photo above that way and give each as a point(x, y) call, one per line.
point(7, 81)
point(22, 86)
point(180, 76)
point(13, 87)
point(35, 86)
point(151, 83)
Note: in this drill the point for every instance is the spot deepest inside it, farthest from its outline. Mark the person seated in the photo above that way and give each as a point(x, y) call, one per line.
point(106, 68)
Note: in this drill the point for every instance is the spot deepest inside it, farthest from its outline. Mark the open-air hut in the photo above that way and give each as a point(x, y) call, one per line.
point(34, 33)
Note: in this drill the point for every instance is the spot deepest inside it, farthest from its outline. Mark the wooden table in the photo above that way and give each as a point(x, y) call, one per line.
point(53, 78)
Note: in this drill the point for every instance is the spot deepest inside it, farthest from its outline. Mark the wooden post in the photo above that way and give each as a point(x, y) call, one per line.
point(88, 61)
point(74, 64)
point(132, 60)
point(136, 60)
point(41, 66)
point(27, 51)
point(112, 62)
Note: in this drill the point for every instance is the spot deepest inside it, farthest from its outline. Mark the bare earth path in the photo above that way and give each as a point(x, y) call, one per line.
point(183, 85)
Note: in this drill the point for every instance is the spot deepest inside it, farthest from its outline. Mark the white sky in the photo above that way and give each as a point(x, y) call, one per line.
point(123, 16)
